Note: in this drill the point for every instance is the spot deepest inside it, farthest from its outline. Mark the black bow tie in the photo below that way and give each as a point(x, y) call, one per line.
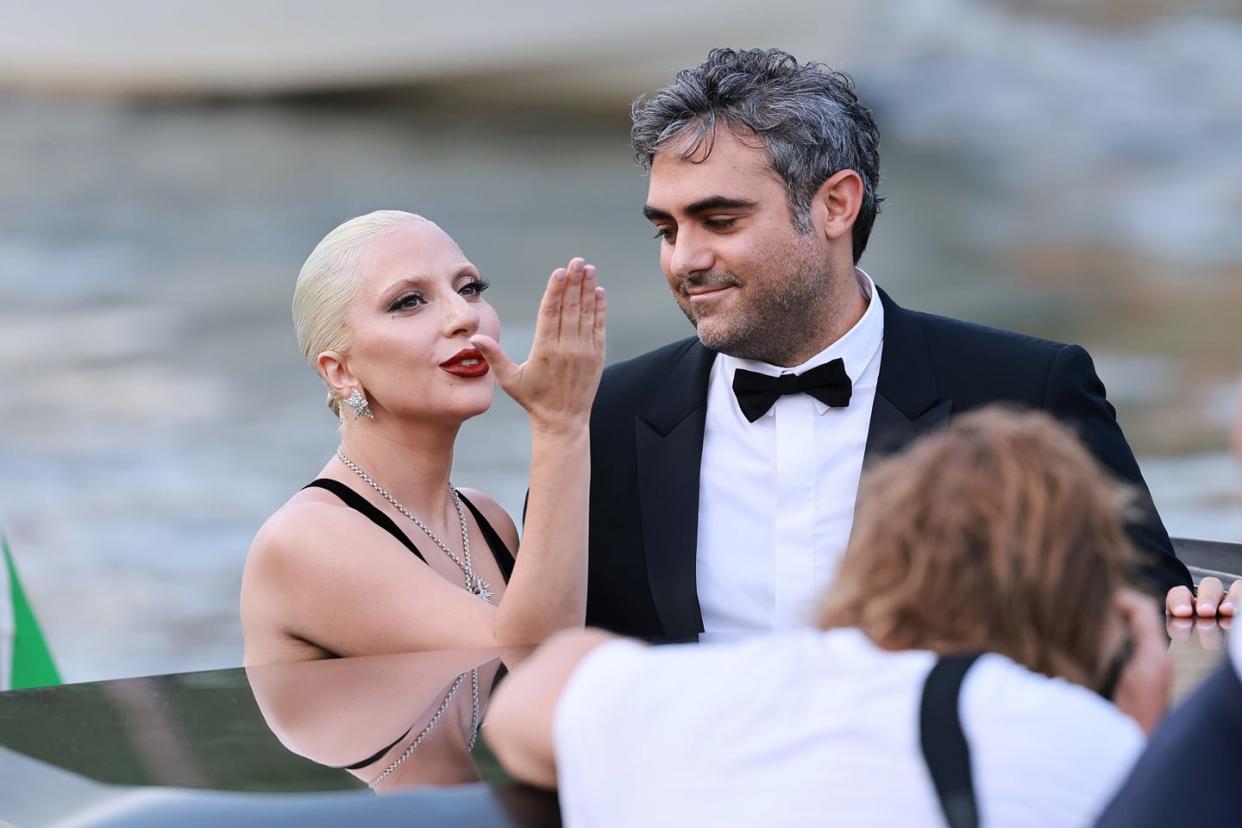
point(756, 393)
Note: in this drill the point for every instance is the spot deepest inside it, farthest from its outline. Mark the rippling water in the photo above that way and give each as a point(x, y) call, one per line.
point(156, 408)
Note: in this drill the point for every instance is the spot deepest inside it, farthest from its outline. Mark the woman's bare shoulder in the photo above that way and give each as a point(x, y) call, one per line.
point(496, 516)
point(314, 534)
point(297, 518)
point(311, 557)
point(325, 575)
point(289, 551)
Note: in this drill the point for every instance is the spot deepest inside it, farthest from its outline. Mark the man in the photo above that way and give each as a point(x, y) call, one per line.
point(883, 716)
point(721, 496)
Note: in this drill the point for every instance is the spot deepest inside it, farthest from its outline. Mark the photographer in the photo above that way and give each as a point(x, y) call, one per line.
point(970, 642)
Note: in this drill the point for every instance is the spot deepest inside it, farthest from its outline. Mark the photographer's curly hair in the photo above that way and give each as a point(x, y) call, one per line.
point(998, 534)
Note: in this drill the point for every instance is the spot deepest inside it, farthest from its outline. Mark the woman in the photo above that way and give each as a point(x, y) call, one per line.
point(997, 535)
point(380, 553)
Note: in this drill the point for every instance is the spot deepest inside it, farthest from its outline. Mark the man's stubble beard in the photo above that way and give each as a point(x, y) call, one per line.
point(795, 309)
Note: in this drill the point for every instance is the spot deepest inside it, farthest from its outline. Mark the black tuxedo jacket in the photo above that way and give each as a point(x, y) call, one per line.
point(647, 443)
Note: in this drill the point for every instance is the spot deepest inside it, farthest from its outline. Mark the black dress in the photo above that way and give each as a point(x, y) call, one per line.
point(355, 501)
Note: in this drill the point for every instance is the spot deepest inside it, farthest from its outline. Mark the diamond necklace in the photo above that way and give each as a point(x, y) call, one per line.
point(474, 584)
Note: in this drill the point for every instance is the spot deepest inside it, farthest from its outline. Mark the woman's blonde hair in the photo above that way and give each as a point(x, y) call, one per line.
point(329, 281)
point(1000, 534)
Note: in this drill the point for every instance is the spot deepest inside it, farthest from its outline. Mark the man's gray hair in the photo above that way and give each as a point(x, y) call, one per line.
point(807, 115)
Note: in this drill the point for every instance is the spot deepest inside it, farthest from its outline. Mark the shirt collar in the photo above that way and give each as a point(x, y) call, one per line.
point(856, 348)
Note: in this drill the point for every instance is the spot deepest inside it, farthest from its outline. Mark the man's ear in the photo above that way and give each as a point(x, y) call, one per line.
point(836, 204)
point(334, 368)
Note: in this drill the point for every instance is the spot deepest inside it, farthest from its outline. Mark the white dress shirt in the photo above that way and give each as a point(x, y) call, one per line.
point(776, 496)
point(821, 728)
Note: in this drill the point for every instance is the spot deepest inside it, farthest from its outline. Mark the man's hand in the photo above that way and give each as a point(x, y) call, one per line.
point(1211, 600)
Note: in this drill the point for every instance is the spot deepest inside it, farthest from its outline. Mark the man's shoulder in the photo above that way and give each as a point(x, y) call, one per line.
point(985, 339)
point(976, 363)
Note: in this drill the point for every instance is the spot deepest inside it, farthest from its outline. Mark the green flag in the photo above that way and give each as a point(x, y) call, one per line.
point(25, 660)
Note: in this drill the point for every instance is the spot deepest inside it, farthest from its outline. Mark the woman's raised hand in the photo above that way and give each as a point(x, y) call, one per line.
point(557, 382)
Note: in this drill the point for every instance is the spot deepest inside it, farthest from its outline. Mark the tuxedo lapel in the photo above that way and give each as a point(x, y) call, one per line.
point(669, 446)
point(908, 402)
point(669, 443)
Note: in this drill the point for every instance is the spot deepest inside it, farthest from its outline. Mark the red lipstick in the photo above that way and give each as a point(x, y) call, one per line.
point(467, 363)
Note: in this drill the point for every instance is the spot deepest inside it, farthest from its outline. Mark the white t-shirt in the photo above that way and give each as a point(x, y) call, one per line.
point(821, 728)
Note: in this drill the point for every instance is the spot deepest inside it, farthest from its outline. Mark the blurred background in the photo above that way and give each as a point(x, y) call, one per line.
point(1066, 169)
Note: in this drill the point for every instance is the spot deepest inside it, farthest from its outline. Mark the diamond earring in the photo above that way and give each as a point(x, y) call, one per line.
point(358, 402)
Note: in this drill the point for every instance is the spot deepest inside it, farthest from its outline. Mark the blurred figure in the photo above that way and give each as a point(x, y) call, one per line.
point(1192, 767)
point(998, 536)
point(390, 313)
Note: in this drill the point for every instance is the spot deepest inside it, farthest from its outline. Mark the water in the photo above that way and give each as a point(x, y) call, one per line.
point(156, 408)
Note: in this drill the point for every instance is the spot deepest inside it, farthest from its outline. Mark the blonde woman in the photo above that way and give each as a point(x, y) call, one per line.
point(381, 554)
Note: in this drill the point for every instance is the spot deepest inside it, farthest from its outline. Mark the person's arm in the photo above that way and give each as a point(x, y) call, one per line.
point(556, 385)
point(1074, 394)
point(1212, 596)
point(520, 719)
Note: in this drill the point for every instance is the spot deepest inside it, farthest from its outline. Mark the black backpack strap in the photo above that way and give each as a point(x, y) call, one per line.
point(944, 745)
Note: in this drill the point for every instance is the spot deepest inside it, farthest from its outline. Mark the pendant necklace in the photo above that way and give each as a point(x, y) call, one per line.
point(474, 584)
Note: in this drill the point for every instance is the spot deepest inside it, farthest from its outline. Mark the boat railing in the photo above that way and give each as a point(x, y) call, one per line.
point(1207, 557)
